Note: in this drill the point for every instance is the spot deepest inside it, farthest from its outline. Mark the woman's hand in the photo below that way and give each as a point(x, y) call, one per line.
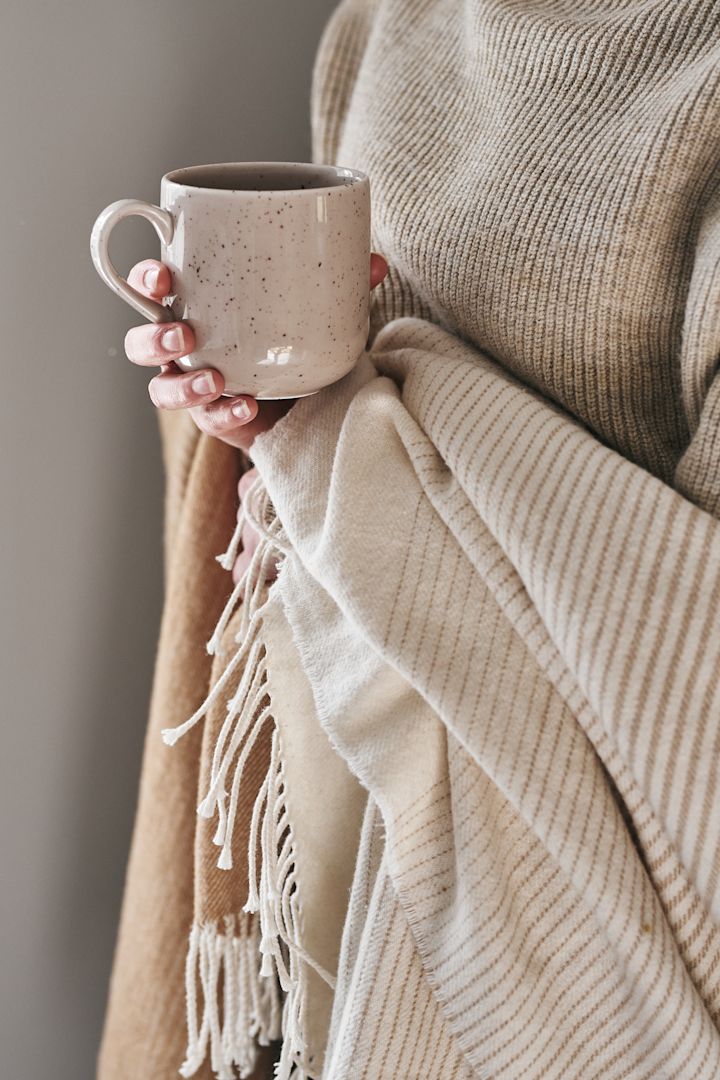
point(235, 420)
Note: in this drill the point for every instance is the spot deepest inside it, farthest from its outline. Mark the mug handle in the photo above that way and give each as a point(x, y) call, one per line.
point(164, 226)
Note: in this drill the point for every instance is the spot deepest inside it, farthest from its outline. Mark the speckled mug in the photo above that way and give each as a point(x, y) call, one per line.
point(271, 268)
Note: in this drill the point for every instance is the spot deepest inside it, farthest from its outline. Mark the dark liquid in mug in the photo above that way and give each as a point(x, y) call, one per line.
point(267, 177)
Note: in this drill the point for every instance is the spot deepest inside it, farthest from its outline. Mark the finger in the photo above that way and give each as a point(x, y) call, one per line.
point(156, 343)
point(219, 419)
point(226, 416)
point(151, 278)
point(181, 390)
point(269, 412)
point(378, 269)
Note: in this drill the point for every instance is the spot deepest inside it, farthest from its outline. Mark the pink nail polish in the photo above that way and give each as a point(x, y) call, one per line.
point(150, 278)
point(172, 340)
point(204, 384)
point(241, 410)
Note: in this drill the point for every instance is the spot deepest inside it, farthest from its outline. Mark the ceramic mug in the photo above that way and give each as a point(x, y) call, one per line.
point(270, 266)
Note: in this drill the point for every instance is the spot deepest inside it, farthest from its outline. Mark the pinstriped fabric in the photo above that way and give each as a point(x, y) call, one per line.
point(660, 637)
point(551, 619)
point(379, 963)
point(520, 952)
point(369, 856)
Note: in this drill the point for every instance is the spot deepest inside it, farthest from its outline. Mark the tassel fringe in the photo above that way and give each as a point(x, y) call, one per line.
point(273, 895)
point(274, 948)
point(225, 966)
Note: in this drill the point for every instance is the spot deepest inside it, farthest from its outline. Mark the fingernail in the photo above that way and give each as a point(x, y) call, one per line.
point(204, 384)
point(241, 410)
point(150, 278)
point(172, 340)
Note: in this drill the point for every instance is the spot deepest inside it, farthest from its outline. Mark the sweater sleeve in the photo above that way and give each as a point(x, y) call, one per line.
point(337, 63)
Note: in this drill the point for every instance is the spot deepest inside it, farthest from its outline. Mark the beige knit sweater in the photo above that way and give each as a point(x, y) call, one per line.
point(545, 187)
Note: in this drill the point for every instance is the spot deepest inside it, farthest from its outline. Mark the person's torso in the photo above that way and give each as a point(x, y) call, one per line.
point(539, 171)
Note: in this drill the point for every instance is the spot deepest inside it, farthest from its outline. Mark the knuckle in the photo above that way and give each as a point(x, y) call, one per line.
point(167, 392)
point(222, 426)
point(213, 423)
point(143, 342)
point(208, 420)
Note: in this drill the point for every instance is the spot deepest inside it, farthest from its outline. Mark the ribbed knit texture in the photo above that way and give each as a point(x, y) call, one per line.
point(545, 185)
point(504, 586)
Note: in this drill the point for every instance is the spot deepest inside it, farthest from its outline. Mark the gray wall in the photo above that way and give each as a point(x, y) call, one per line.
point(98, 100)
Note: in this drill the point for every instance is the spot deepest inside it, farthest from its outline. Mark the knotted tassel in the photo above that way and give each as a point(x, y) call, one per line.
point(241, 1008)
point(250, 995)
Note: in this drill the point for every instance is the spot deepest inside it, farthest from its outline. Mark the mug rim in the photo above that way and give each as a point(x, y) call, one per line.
point(354, 177)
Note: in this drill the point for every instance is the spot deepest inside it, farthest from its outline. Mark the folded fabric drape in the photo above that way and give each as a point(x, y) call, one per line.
point(515, 645)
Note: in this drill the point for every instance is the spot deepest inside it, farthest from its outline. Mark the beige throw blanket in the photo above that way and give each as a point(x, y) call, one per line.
point(466, 786)
point(504, 645)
